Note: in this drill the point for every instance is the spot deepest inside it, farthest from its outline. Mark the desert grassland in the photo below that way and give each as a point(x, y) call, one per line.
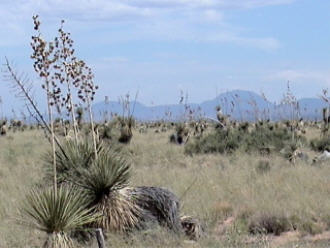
point(228, 193)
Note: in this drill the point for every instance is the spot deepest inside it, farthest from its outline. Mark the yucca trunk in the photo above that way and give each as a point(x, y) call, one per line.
point(92, 125)
point(58, 240)
point(50, 114)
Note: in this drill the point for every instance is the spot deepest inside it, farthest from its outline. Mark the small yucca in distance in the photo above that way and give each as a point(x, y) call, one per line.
point(57, 214)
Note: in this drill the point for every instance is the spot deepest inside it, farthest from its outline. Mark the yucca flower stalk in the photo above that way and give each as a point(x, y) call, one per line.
point(43, 56)
point(86, 94)
point(57, 214)
point(67, 73)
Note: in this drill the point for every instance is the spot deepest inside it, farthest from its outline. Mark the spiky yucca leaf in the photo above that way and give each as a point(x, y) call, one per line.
point(108, 173)
point(57, 214)
point(105, 183)
point(74, 157)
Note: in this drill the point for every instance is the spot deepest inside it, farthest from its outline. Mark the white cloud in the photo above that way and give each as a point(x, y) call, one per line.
point(220, 4)
point(120, 9)
point(212, 15)
point(81, 10)
point(146, 19)
point(254, 3)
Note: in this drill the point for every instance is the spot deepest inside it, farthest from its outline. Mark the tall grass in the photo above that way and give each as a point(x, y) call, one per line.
point(218, 189)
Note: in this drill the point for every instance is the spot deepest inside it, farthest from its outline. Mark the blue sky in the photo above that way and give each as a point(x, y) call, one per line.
point(160, 47)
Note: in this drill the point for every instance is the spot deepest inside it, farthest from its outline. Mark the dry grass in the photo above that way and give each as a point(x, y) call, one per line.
point(227, 193)
point(20, 169)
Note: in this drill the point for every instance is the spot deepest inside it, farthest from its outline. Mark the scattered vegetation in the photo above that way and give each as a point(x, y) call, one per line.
point(320, 144)
point(239, 185)
point(264, 138)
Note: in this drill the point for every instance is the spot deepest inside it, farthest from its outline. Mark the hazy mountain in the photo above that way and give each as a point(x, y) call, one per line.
point(140, 111)
point(311, 108)
point(239, 104)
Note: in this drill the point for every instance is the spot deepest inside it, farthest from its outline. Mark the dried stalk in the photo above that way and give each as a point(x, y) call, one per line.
point(43, 56)
point(24, 92)
point(86, 94)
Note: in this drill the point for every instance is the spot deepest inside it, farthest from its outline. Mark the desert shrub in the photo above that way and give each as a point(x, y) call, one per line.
point(221, 141)
point(306, 225)
point(180, 135)
point(320, 144)
point(269, 224)
point(277, 224)
point(79, 116)
point(126, 126)
point(109, 132)
point(118, 130)
point(261, 139)
point(3, 130)
point(106, 132)
point(265, 137)
point(292, 152)
point(311, 227)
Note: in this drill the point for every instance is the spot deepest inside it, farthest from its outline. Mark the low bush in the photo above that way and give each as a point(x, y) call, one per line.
point(262, 139)
point(311, 227)
point(269, 224)
point(221, 141)
point(320, 144)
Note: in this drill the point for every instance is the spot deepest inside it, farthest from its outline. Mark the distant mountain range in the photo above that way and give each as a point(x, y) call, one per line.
point(239, 104)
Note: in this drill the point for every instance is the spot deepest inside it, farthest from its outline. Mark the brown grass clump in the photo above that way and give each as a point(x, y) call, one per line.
point(269, 224)
point(222, 210)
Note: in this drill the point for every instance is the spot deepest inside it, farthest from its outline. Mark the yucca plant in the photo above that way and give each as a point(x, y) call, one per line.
point(105, 181)
point(79, 116)
point(106, 184)
point(106, 132)
point(70, 161)
point(126, 123)
point(57, 214)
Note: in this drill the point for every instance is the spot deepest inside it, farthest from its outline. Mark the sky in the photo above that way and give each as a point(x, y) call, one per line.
point(159, 48)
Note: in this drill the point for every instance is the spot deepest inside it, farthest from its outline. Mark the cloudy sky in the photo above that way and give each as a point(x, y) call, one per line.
point(202, 47)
